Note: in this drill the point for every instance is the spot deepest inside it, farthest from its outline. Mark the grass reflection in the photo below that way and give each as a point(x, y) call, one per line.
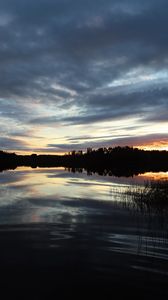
point(152, 197)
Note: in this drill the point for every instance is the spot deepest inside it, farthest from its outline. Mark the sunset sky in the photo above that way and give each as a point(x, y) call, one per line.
point(83, 73)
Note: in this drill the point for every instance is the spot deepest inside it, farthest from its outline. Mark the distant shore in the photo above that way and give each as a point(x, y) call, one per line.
point(112, 161)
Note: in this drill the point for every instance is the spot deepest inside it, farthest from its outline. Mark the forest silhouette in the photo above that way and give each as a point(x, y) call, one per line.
point(118, 161)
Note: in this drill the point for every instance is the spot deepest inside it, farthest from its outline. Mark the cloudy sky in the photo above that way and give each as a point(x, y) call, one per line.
point(81, 73)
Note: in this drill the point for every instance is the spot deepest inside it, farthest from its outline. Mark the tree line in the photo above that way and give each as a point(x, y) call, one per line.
point(119, 160)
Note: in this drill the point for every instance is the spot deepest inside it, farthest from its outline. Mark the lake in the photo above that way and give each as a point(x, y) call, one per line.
point(74, 233)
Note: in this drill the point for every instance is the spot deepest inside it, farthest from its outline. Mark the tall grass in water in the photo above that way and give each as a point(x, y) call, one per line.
point(152, 197)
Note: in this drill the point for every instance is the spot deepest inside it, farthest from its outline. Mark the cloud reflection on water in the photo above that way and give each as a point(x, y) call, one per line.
point(68, 221)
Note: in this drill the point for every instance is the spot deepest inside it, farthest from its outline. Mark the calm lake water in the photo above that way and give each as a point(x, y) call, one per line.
point(61, 229)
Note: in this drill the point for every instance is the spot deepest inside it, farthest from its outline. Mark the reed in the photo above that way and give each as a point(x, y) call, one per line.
point(152, 197)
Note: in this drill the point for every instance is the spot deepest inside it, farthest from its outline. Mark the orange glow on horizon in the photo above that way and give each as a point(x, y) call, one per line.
point(151, 147)
point(161, 146)
point(154, 176)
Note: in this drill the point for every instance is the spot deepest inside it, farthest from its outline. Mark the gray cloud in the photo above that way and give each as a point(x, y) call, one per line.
point(53, 39)
point(10, 144)
point(108, 59)
point(122, 141)
point(145, 103)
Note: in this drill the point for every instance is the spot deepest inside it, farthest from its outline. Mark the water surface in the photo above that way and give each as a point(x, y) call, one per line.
point(76, 228)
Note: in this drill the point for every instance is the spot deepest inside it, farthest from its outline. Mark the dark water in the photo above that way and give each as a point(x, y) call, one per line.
point(67, 234)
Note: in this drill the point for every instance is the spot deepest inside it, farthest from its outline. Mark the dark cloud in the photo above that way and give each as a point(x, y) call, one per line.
point(113, 105)
point(149, 139)
point(9, 144)
point(158, 116)
point(66, 41)
point(98, 60)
